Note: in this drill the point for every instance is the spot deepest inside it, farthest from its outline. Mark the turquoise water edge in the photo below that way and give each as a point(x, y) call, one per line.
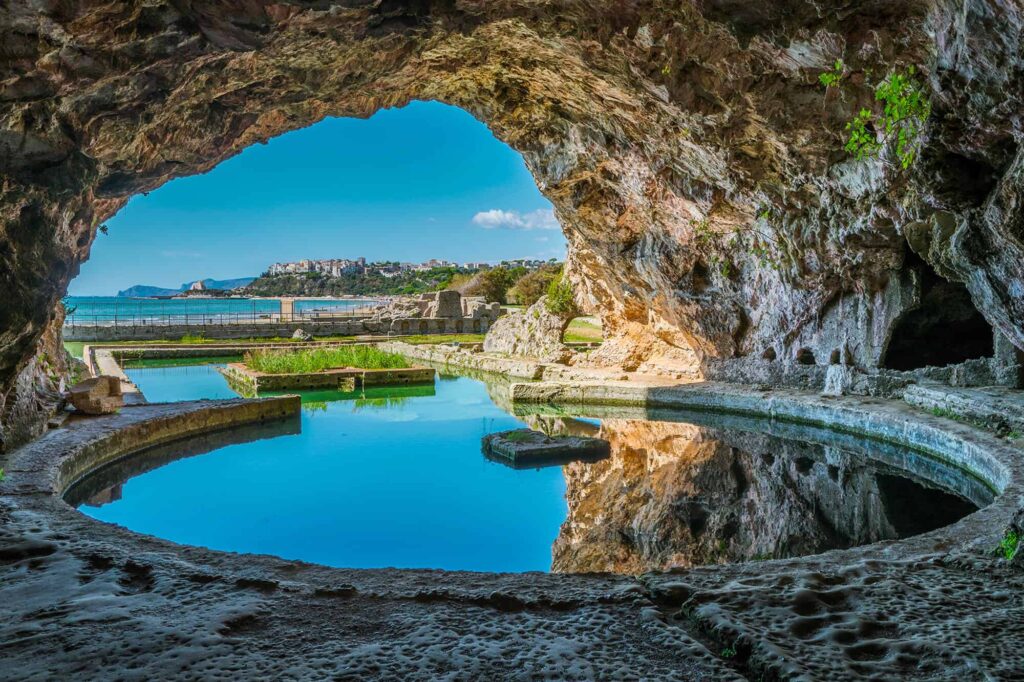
point(395, 477)
point(109, 308)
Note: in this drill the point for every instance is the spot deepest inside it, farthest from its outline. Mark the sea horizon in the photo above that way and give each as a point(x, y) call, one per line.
point(91, 309)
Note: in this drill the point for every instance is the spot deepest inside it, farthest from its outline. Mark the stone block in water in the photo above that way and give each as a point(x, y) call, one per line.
point(526, 448)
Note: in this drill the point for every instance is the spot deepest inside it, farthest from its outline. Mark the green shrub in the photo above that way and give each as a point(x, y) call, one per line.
point(560, 299)
point(534, 284)
point(318, 359)
point(905, 111)
point(494, 284)
point(1009, 544)
point(833, 76)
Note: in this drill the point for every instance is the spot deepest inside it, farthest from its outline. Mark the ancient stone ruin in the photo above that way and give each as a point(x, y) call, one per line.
point(98, 395)
point(442, 312)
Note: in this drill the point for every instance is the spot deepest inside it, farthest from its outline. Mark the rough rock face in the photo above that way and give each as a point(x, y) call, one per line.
point(36, 391)
point(660, 130)
point(535, 332)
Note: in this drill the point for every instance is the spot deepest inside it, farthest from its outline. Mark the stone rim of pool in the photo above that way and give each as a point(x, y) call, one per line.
point(857, 457)
point(248, 590)
point(1002, 473)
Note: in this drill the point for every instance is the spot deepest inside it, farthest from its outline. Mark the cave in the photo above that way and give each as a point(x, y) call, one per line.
point(699, 167)
point(944, 329)
point(639, 122)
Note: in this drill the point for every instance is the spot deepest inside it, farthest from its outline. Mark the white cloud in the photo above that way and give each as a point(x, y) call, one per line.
point(541, 219)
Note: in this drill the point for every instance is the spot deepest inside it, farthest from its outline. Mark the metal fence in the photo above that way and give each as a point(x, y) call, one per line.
point(200, 319)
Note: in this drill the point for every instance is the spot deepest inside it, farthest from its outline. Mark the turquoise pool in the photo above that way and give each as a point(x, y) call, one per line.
point(396, 478)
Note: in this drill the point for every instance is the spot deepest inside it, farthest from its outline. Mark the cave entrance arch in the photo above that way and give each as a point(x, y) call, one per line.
point(945, 328)
point(425, 183)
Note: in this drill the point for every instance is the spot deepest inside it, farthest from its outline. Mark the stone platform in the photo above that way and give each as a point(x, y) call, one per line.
point(528, 449)
point(251, 382)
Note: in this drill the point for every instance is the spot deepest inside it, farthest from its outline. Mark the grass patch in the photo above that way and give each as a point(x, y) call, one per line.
point(583, 330)
point(74, 348)
point(519, 436)
point(441, 338)
point(318, 359)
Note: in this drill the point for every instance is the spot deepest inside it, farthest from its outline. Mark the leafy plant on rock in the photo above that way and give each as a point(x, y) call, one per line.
point(1009, 544)
point(756, 238)
point(833, 76)
point(905, 112)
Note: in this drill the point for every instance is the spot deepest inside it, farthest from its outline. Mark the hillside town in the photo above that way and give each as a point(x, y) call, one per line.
point(337, 267)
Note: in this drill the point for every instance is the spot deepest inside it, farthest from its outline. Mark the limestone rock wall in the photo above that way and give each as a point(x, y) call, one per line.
point(534, 333)
point(659, 129)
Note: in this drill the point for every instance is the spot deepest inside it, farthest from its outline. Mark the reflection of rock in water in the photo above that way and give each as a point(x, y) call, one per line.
point(105, 496)
point(681, 495)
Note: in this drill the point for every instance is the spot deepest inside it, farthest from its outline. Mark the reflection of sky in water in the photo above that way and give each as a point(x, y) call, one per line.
point(395, 477)
point(369, 483)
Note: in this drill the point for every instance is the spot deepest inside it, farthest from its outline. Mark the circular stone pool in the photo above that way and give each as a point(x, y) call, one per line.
point(396, 478)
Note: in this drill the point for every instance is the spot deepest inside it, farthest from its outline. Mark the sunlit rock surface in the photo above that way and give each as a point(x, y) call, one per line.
point(535, 333)
point(657, 129)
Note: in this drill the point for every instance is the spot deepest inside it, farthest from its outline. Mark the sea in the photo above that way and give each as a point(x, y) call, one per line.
point(99, 309)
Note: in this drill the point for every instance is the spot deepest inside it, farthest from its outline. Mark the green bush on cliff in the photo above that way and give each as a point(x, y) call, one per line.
point(560, 300)
point(905, 112)
point(833, 76)
point(1009, 544)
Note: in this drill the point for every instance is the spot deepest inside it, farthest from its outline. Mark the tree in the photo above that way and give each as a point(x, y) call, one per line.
point(561, 299)
point(534, 284)
point(494, 284)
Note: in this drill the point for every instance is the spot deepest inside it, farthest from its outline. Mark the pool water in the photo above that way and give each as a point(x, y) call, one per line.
point(396, 478)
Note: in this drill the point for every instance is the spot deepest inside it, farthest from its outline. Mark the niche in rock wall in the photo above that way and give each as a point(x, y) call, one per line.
point(945, 329)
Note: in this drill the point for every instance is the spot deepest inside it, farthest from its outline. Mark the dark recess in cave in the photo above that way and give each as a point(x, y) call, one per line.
point(913, 508)
point(805, 356)
point(945, 329)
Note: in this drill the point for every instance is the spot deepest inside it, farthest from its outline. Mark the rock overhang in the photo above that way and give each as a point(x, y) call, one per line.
point(650, 126)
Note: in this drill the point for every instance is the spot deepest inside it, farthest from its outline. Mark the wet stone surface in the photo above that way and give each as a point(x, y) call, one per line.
point(522, 448)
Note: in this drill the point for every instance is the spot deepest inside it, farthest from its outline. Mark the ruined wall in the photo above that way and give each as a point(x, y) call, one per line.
point(658, 129)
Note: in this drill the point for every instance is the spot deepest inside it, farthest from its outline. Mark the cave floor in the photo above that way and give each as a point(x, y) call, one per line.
point(85, 599)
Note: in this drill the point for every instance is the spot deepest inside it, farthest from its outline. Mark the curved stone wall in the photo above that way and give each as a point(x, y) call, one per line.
point(113, 601)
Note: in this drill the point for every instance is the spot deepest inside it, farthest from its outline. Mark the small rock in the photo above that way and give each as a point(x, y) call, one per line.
point(99, 395)
point(302, 335)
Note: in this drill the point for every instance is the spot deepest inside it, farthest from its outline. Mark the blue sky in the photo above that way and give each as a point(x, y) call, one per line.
point(425, 181)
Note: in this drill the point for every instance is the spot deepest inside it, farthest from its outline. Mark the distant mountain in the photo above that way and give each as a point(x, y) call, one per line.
point(144, 291)
point(225, 284)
